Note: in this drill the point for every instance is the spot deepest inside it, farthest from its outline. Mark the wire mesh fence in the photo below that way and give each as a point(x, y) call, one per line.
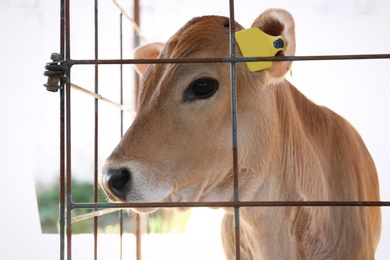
point(60, 79)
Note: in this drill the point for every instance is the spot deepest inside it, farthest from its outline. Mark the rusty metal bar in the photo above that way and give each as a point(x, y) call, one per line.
point(232, 204)
point(230, 59)
point(62, 172)
point(98, 96)
point(233, 93)
point(121, 234)
point(68, 157)
point(120, 215)
point(137, 20)
point(108, 208)
point(137, 35)
point(62, 139)
point(138, 236)
point(121, 71)
point(96, 128)
point(68, 181)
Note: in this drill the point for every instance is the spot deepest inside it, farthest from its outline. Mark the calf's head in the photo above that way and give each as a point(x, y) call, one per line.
point(179, 145)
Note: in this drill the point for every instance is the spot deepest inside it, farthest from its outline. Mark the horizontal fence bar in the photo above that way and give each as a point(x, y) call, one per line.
point(235, 204)
point(230, 59)
point(95, 213)
point(100, 97)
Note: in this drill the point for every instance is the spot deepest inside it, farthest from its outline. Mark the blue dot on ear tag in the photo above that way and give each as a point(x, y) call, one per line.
point(279, 43)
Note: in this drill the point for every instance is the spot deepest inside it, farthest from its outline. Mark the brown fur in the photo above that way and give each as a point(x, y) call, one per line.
point(289, 149)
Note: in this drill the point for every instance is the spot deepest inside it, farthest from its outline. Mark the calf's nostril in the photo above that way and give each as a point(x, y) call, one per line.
point(118, 181)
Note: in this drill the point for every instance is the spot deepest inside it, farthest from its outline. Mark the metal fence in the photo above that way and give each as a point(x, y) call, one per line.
point(59, 79)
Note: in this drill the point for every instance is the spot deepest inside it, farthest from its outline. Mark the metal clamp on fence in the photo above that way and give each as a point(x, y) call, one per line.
point(55, 72)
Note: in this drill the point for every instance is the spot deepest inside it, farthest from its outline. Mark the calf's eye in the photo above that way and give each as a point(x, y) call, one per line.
point(201, 88)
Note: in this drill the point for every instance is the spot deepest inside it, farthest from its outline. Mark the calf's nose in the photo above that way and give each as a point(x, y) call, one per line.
point(118, 182)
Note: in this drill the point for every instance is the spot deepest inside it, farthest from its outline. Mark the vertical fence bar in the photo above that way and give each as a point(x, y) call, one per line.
point(121, 119)
point(96, 131)
point(62, 138)
point(139, 222)
point(68, 178)
point(120, 216)
point(137, 21)
point(121, 69)
point(234, 127)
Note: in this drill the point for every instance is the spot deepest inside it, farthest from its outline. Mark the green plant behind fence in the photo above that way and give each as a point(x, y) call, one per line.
point(162, 221)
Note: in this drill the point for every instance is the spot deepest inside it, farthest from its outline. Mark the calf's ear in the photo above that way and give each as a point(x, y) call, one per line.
point(277, 22)
point(148, 51)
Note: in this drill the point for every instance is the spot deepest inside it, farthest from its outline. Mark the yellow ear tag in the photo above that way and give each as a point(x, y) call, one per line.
point(253, 42)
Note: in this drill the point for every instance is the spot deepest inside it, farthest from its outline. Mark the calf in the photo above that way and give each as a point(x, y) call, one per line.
point(178, 149)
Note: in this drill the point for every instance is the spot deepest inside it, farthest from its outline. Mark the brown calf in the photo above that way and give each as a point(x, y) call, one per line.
point(179, 149)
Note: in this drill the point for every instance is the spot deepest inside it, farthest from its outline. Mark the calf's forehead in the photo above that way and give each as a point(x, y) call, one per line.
point(207, 33)
point(201, 37)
